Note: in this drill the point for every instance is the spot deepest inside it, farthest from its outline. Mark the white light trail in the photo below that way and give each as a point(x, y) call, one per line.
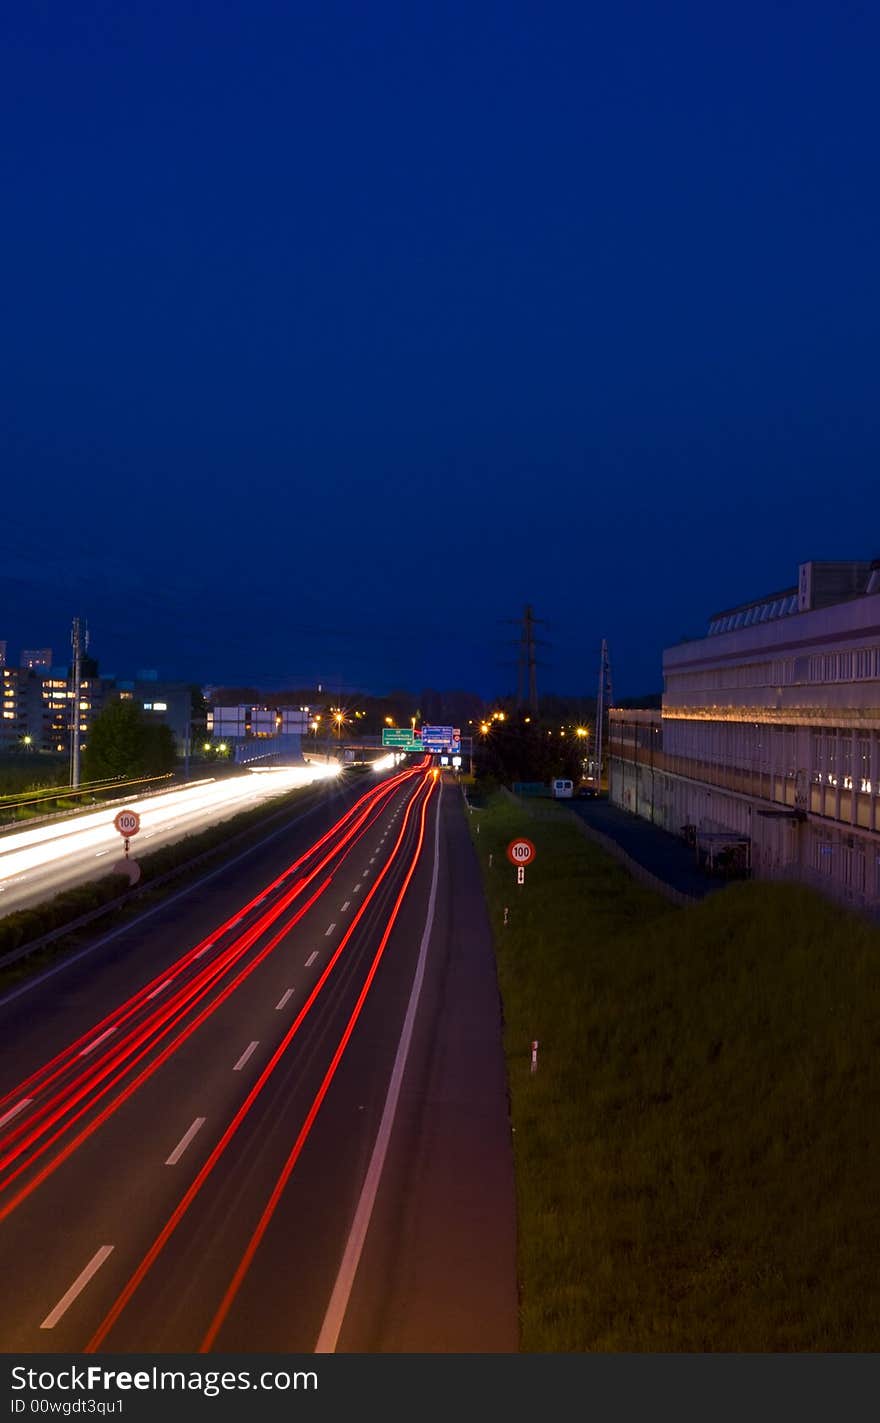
point(185, 810)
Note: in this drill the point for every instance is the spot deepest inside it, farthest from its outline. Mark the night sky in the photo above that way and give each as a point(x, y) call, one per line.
point(332, 334)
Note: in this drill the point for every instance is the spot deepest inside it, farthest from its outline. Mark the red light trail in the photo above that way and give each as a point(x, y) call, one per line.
point(423, 793)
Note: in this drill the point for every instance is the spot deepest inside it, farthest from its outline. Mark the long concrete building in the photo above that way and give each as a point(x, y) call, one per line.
point(766, 752)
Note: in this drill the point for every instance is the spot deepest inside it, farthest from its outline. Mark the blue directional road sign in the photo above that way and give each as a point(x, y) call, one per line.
point(441, 738)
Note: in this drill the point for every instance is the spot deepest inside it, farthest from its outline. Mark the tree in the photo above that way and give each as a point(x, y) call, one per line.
point(122, 743)
point(516, 750)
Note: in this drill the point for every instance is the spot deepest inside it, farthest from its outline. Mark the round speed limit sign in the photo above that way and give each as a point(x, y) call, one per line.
point(127, 822)
point(521, 852)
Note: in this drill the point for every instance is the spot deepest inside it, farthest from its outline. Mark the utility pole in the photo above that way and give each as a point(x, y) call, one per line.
point(533, 676)
point(79, 641)
point(528, 675)
point(603, 702)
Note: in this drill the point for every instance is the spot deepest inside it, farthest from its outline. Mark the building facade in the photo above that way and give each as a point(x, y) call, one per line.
point(767, 747)
point(21, 709)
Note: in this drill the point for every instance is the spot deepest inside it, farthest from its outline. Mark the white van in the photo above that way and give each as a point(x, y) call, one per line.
point(562, 790)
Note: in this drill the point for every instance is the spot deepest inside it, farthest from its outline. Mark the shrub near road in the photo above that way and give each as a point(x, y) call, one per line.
point(697, 1155)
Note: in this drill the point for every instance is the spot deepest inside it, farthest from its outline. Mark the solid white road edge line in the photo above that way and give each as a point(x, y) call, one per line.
point(77, 1287)
point(184, 1142)
point(245, 1055)
point(333, 1319)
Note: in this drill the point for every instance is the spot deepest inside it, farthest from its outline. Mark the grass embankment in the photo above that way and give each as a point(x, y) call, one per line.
point(697, 1155)
point(25, 925)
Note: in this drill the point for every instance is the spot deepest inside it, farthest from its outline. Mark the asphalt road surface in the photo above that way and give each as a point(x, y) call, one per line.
point(272, 1117)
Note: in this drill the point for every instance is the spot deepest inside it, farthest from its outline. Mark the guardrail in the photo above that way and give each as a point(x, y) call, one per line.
point(10, 827)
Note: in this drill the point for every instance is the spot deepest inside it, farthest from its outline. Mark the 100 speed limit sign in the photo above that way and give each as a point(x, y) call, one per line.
point(127, 822)
point(520, 852)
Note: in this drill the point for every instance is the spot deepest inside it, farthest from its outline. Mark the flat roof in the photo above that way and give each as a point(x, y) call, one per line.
point(754, 603)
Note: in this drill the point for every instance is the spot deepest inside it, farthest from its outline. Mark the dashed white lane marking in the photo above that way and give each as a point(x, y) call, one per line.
point(372, 859)
point(311, 959)
point(244, 1057)
point(357, 888)
point(185, 1140)
point(366, 872)
point(346, 905)
point(77, 1287)
point(285, 998)
point(14, 1111)
point(91, 1047)
point(157, 991)
point(99, 853)
point(329, 931)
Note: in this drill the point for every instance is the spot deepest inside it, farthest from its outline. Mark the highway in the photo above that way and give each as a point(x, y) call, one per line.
point(275, 1119)
point(45, 859)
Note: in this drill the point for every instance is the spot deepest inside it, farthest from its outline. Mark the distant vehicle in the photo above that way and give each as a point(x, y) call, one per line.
point(562, 789)
point(588, 791)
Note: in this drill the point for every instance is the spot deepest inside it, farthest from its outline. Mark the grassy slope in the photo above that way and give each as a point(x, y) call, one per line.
point(697, 1156)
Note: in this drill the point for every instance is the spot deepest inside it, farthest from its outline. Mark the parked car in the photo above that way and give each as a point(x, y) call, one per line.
point(562, 789)
point(588, 791)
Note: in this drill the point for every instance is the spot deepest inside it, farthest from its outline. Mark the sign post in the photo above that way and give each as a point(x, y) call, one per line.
point(128, 823)
point(520, 853)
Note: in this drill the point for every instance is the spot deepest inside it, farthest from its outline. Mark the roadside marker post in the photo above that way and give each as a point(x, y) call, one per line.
point(534, 1066)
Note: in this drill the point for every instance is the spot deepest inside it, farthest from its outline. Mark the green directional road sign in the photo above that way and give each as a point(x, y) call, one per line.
point(400, 738)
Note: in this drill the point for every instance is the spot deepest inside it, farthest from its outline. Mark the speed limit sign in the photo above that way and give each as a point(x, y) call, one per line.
point(520, 852)
point(127, 822)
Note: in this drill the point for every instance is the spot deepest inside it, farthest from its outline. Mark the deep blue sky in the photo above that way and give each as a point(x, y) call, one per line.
point(334, 333)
